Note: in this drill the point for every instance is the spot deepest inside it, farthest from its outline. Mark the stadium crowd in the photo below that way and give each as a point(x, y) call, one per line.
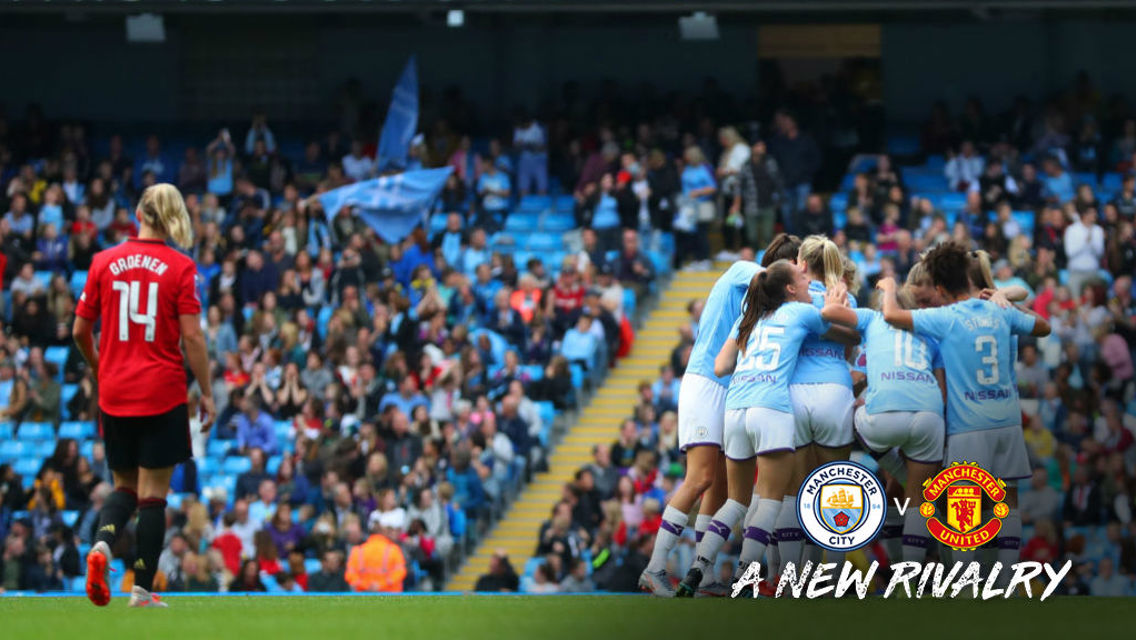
point(381, 402)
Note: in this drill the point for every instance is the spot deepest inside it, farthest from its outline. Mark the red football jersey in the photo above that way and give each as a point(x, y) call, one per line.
point(139, 289)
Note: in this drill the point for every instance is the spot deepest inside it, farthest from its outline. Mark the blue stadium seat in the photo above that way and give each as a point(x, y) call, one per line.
point(535, 203)
point(87, 449)
point(952, 201)
point(12, 449)
point(838, 201)
point(1085, 177)
point(205, 466)
point(66, 394)
point(6, 431)
point(32, 431)
point(558, 222)
point(322, 318)
point(629, 302)
point(283, 430)
point(1025, 220)
point(926, 182)
point(311, 565)
point(1112, 182)
point(57, 356)
point(218, 448)
point(44, 449)
point(521, 221)
point(547, 411)
point(565, 204)
point(77, 430)
point(78, 281)
point(272, 465)
point(577, 373)
point(935, 162)
point(69, 517)
point(236, 465)
point(848, 182)
point(839, 219)
point(27, 467)
point(437, 223)
point(44, 278)
point(544, 242)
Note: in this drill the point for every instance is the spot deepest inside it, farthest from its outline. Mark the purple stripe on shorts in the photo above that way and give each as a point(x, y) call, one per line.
point(889, 531)
point(719, 529)
point(789, 535)
point(772, 451)
point(837, 446)
point(691, 445)
point(729, 457)
point(916, 541)
point(673, 528)
point(757, 533)
point(1009, 543)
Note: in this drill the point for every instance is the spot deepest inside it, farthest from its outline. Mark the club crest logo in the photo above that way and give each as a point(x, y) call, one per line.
point(959, 490)
point(841, 506)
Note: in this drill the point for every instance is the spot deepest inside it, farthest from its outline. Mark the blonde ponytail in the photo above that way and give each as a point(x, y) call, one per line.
point(824, 260)
point(851, 276)
point(980, 274)
point(163, 209)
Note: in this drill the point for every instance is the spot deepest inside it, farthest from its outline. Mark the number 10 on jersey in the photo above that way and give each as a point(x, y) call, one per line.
point(128, 308)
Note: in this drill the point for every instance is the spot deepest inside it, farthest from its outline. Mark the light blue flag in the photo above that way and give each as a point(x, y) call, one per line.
point(391, 205)
point(401, 122)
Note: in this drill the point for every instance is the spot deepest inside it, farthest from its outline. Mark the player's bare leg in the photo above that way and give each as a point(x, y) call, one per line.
point(153, 484)
point(705, 468)
point(116, 512)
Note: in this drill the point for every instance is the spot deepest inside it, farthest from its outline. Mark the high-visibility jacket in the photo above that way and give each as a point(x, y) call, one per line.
point(376, 565)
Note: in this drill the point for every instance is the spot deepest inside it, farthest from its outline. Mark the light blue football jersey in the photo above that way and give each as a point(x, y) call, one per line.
point(900, 367)
point(771, 355)
point(822, 361)
point(975, 338)
point(722, 309)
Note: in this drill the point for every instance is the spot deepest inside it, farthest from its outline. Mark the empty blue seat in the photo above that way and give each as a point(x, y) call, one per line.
point(69, 517)
point(1025, 220)
point(27, 467)
point(205, 466)
point(87, 449)
point(577, 373)
point(322, 318)
point(44, 449)
point(558, 222)
point(848, 182)
point(535, 203)
point(12, 449)
point(219, 448)
point(544, 242)
point(58, 357)
point(839, 219)
point(838, 202)
point(78, 281)
point(565, 204)
point(283, 429)
point(437, 223)
point(236, 465)
point(1085, 177)
point(77, 430)
point(521, 221)
point(272, 465)
point(547, 411)
point(44, 278)
point(36, 431)
point(311, 565)
point(6, 431)
point(629, 302)
point(66, 394)
point(951, 201)
point(1112, 182)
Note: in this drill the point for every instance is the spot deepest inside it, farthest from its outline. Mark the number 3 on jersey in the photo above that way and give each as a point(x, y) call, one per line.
point(987, 346)
point(753, 358)
point(128, 310)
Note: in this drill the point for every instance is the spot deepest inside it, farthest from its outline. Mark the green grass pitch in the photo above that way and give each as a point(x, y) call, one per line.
point(569, 617)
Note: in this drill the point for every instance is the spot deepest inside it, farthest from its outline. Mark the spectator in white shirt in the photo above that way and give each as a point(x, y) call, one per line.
point(1084, 248)
point(965, 168)
point(532, 166)
point(356, 165)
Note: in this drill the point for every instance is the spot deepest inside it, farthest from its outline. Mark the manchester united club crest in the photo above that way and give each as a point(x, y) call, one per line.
point(961, 489)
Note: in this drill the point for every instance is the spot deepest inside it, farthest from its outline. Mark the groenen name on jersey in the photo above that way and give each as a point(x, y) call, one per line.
point(137, 261)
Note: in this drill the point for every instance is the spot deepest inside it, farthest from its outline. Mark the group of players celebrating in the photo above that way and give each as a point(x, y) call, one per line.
point(770, 391)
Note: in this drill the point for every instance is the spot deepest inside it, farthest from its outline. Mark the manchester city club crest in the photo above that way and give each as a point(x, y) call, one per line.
point(841, 506)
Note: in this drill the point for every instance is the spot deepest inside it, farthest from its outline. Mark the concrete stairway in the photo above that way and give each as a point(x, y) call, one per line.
point(516, 533)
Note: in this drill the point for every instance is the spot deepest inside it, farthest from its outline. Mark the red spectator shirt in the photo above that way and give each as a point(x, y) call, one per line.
point(139, 289)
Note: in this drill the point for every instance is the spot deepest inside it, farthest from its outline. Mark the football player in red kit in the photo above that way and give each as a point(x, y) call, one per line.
point(145, 294)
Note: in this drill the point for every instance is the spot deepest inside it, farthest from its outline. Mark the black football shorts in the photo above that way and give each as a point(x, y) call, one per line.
point(150, 442)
